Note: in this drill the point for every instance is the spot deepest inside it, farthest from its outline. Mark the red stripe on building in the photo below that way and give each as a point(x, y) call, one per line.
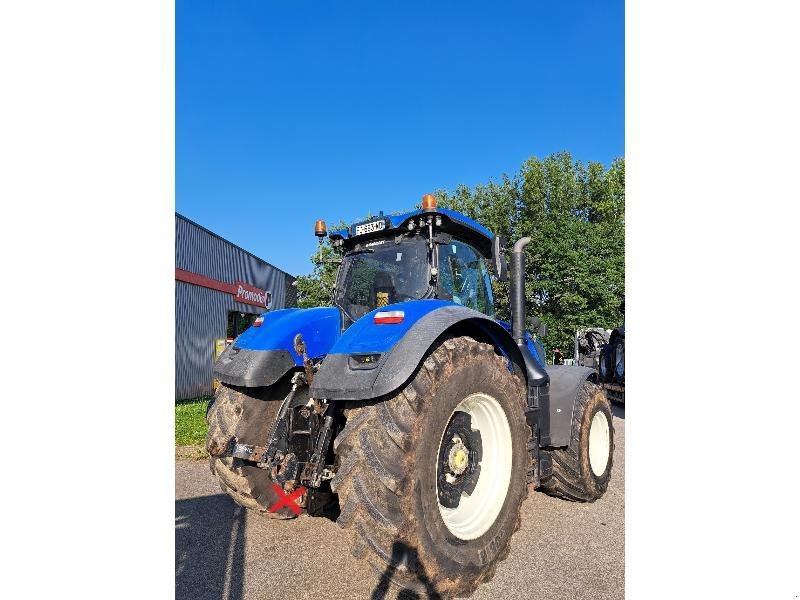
point(243, 292)
point(203, 281)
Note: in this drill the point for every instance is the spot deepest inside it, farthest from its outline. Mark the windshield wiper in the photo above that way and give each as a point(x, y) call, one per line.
point(362, 251)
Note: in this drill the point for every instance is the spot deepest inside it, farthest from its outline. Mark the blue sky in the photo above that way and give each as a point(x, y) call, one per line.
point(287, 112)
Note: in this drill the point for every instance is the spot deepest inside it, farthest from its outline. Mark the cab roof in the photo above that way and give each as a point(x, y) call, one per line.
point(454, 223)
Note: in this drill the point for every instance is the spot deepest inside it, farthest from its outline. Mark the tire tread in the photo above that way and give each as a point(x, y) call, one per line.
point(569, 481)
point(373, 451)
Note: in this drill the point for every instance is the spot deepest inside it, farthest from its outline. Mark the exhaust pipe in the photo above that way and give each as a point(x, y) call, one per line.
point(538, 397)
point(518, 291)
point(537, 376)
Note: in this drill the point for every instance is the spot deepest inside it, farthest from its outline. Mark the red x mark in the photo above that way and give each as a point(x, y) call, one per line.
point(286, 499)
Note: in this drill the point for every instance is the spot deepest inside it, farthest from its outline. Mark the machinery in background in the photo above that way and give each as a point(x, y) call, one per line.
point(604, 350)
point(612, 366)
point(588, 345)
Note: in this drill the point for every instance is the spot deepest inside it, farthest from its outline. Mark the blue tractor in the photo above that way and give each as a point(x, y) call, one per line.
point(407, 411)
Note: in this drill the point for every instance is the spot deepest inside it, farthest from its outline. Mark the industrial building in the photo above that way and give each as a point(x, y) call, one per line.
point(219, 289)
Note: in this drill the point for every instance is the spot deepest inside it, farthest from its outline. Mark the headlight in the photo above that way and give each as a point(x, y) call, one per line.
point(364, 361)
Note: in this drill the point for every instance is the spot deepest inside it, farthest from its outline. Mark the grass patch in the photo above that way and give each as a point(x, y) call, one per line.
point(190, 421)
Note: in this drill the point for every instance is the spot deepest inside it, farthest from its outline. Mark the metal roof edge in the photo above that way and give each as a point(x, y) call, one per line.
point(237, 246)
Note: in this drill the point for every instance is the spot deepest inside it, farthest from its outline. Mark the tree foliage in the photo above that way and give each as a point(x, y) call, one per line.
point(575, 263)
point(316, 288)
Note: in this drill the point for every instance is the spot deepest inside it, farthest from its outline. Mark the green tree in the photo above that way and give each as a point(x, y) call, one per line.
point(316, 288)
point(575, 264)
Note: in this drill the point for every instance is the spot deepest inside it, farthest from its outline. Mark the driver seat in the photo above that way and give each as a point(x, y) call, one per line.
point(383, 290)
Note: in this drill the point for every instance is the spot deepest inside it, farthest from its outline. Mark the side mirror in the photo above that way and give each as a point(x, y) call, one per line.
point(541, 328)
point(499, 259)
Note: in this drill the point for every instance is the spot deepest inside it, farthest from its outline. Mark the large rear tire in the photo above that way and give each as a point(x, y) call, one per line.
point(248, 485)
point(582, 470)
point(431, 480)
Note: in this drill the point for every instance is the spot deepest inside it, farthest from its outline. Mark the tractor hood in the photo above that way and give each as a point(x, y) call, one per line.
point(319, 326)
point(263, 354)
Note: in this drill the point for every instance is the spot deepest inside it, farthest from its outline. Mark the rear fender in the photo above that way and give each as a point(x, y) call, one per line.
point(398, 349)
point(565, 381)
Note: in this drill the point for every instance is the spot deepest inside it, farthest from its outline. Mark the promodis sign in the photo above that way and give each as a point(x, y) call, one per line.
point(251, 295)
point(243, 292)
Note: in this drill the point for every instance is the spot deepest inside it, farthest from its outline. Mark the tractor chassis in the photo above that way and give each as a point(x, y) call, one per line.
point(299, 446)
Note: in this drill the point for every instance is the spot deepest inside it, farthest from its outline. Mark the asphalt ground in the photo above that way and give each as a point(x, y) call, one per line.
point(564, 550)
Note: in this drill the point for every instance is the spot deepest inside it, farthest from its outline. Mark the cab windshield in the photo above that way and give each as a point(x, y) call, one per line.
point(383, 274)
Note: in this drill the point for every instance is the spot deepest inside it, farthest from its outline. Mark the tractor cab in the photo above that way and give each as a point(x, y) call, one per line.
point(430, 253)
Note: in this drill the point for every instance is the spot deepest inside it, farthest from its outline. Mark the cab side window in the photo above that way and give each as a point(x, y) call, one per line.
point(463, 276)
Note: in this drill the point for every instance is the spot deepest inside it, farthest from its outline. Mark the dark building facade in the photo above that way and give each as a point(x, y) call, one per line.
point(219, 289)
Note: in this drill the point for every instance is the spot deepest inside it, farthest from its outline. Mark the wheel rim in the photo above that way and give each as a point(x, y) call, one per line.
point(599, 443)
point(477, 509)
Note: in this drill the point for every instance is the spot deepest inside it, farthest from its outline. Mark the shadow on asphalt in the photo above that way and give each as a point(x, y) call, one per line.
point(403, 553)
point(209, 549)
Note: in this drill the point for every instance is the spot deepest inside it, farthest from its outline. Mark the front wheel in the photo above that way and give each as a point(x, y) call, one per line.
point(581, 471)
point(253, 411)
point(431, 480)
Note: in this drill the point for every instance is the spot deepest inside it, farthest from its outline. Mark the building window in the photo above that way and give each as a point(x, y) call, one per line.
point(238, 322)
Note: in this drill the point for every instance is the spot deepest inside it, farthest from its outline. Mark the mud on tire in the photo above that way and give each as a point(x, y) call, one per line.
point(387, 477)
point(248, 485)
point(574, 475)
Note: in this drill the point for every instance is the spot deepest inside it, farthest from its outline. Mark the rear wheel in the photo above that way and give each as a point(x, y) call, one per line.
point(431, 480)
point(582, 470)
point(235, 410)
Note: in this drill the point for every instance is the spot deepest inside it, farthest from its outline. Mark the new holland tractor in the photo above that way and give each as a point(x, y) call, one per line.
point(407, 410)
